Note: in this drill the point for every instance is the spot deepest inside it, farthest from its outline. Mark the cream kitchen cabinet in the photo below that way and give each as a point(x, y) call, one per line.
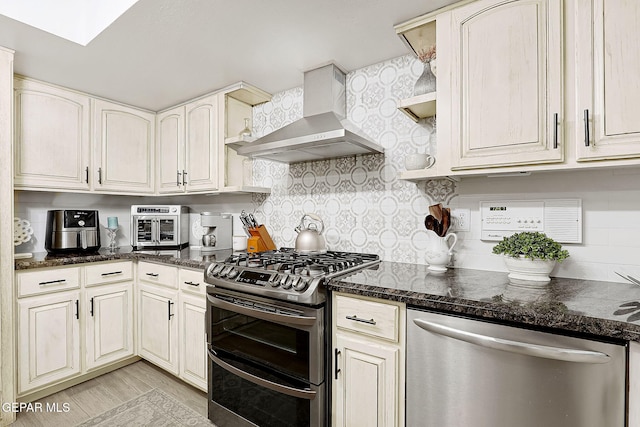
point(369, 361)
point(108, 312)
point(607, 93)
point(52, 138)
point(157, 320)
point(48, 339)
point(188, 147)
point(124, 148)
point(501, 67)
point(193, 347)
point(158, 327)
point(72, 320)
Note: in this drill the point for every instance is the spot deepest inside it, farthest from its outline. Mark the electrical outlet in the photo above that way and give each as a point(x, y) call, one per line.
point(460, 219)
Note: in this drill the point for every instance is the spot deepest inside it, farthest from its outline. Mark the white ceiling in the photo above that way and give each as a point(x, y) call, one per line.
point(162, 52)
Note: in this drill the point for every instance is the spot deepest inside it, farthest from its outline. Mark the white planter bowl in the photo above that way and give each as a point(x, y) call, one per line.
point(531, 270)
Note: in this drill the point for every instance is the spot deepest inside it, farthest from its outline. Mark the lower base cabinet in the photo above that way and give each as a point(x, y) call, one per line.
point(48, 339)
point(193, 346)
point(369, 353)
point(158, 327)
point(109, 325)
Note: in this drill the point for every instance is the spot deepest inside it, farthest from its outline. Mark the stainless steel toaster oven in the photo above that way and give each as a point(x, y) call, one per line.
point(159, 226)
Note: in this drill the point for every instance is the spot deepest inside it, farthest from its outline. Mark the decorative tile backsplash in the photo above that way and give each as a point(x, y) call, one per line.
point(363, 204)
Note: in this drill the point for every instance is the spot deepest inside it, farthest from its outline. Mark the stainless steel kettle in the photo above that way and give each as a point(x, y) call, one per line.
point(310, 239)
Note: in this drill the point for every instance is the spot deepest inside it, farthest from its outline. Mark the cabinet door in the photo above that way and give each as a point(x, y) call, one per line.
point(366, 391)
point(506, 88)
point(608, 61)
point(170, 149)
point(124, 148)
point(201, 144)
point(48, 339)
point(52, 137)
point(193, 347)
point(109, 324)
point(158, 327)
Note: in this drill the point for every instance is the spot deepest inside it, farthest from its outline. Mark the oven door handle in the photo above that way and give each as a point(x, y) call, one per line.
point(264, 315)
point(289, 391)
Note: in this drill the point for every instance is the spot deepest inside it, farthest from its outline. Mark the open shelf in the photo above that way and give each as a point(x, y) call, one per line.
point(236, 142)
point(419, 107)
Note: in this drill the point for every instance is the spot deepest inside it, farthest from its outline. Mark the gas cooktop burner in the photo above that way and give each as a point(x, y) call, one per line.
point(284, 273)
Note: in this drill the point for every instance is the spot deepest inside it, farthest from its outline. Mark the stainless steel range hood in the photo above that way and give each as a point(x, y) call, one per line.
point(323, 132)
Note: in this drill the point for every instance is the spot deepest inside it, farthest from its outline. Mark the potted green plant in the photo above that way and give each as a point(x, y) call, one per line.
point(530, 256)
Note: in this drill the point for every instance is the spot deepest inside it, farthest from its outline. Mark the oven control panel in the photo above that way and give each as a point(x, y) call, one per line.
point(291, 287)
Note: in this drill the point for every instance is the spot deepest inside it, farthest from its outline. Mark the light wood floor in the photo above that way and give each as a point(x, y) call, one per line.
point(100, 394)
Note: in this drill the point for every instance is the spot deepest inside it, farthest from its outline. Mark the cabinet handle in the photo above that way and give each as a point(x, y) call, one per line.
point(111, 273)
point(169, 309)
point(86, 174)
point(586, 127)
point(336, 370)
point(152, 274)
point(99, 175)
point(555, 131)
point(184, 177)
point(192, 284)
point(91, 307)
point(77, 309)
point(178, 179)
point(357, 319)
point(51, 282)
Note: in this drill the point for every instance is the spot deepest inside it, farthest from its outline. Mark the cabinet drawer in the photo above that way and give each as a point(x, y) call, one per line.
point(42, 281)
point(158, 274)
point(112, 272)
point(373, 318)
point(192, 281)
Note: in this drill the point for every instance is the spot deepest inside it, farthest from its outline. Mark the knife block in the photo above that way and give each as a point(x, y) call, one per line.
point(260, 240)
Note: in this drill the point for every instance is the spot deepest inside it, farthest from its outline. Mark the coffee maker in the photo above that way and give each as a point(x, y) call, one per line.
point(70, 231)
point(217, 230)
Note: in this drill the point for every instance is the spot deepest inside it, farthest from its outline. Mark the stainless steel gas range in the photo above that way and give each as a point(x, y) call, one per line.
point(266, 338)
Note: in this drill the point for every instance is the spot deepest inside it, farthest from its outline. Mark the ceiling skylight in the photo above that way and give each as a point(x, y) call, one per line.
point(77, 20)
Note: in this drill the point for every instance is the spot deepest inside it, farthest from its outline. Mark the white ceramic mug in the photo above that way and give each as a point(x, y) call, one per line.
point(418, 161)
point(239, 243)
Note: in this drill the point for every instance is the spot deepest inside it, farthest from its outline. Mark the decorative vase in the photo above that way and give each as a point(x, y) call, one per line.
point(529, 270)
point(426, 82)
point(434, 67)
point(439, 250)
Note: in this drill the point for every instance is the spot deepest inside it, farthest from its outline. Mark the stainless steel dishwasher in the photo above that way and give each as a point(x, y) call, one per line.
point(469, 373)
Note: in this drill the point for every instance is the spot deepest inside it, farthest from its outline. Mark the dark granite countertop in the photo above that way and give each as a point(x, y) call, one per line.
point(570, 305)
point(187, 257)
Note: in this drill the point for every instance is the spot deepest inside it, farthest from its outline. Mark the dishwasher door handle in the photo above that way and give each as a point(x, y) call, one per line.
point(527, 349)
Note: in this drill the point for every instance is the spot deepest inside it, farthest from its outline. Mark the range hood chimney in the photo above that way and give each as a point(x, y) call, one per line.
point(323, 132)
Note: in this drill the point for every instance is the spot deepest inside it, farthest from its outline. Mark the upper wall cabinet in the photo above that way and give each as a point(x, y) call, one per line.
point(607, 89)
point(52, 140)
point(187, 138)
point(505, 59)
point(124, 141)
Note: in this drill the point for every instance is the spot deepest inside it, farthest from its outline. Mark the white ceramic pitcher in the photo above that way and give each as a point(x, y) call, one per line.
point(439, 250)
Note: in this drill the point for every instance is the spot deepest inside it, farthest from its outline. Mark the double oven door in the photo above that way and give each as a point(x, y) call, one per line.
point(266, 361)
point(156, 231)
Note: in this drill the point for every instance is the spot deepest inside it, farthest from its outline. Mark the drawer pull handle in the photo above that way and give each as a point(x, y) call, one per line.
point(112, 273)
point(357, 319)
point(152, 274)
point(51, 282)
point(192, 284)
